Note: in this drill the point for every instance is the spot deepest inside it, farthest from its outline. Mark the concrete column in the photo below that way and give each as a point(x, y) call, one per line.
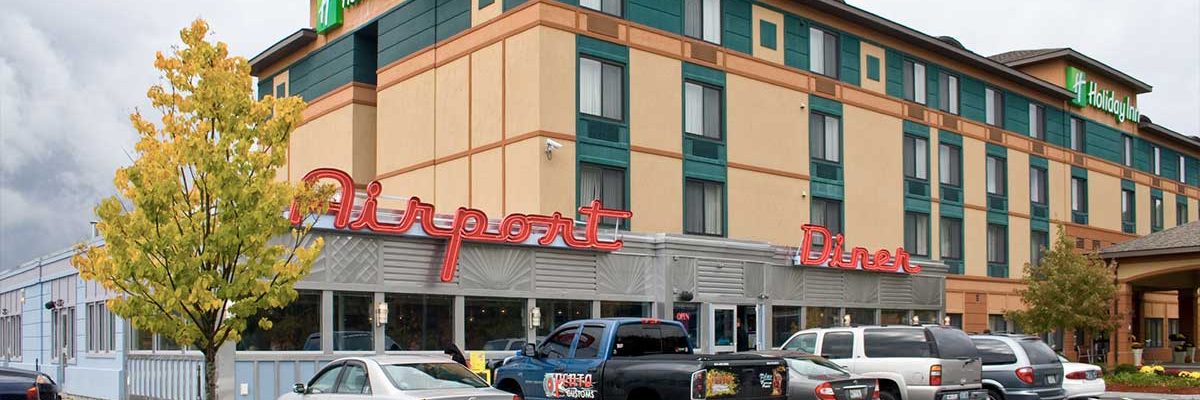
point(1122, 352)
point(226, 371)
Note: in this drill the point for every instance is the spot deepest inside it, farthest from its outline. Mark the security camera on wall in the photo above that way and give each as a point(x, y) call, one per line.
point(551, 146)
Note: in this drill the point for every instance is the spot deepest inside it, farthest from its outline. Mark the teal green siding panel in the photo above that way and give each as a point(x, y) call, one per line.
point(511, 4)
point(1016, 113)
point(999, 218)
point(971, 95)
point(344, 60)
point(915, 129)
point(1035, 161)
point(931, 86)
point(485, 3)
point(1193, 171)
point(851, 65)
point(766, 34)
point(1128, 185)
point(737, 35)
point(950, 210)
point(873, 68)
point(404, 30)
point(1103, 142)
point(602, 49)
point(264, 86)
point(1039, 225)
point(949, 137)
point(895, 73)
point(662, 14)
point(601, 154)
point(703, 170)
point(454, 16)
point(821, 104)
point(1143, 155)
point(827, 190)
point(703, 74)
point(1079, 172)
point(1170, 164)
point(997, 150)
point(917, 205)
point(795, 42)
point(1056, 127)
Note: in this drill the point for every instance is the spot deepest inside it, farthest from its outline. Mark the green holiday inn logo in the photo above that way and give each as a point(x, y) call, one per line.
point(330, 13)
point(1087, 93)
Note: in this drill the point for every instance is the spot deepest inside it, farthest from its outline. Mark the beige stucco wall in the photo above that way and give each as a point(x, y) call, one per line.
point(1059, 182)
point(487, 182)
point(767, 207)
point(539, 81)
point(1104, 201)
point(487, 93)
point(452, 184)
point(406, 123)
point(867, 49)
point(1142, 204)
point(522, 184)
point(767, 126)
point(757, 14)
point(1170, 209)
point(341, 139)
point(481, 15)
point(1018, 182)
point(1018, 246)
point(655, 101)
point(419, 183)
point(656, 193)
point(974, 171)
point(874, 200)
point(975, 242)
point(451, 117)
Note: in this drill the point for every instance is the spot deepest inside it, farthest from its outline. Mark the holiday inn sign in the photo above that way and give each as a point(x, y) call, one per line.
point(330, 15)
point(1087, 93)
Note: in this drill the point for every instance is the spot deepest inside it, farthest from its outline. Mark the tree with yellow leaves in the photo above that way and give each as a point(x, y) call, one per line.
point(196, 241)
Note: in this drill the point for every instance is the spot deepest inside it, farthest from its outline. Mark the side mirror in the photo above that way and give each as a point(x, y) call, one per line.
point(529, 350)
point(299, 388)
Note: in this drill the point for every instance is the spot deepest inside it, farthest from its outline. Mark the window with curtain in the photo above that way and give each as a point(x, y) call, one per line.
point(828, 213)
point(993, 106)
point(948, 90)
point(950, 165)
point(604, 183)
point(1078, 134)
point(1181, 213)
point(826, 138)
point(997, 243)
point(1156, 213)
point(705, 207)
point(995, 176)
point(1038, 241)
point(823, 50)
point(914, 81)
point(1127, 207)
point(702, 20)
point(1037, 121)
point(601, 88)
point(1182, 169)
point(702, 110)
point(916, 233)
point(605, 6)
point(1079, 195)
point(916, 154)
point(1128, 151)
point(951, 236)
point(1037, 185)
point(1157, 160)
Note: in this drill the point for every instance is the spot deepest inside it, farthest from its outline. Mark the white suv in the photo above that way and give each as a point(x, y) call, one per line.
point(911, 362)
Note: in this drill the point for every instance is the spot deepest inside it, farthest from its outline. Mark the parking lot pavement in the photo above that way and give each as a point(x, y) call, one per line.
point(1147, 396)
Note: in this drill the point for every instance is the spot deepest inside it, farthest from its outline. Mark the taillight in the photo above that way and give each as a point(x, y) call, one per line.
point(824, 391)
point(698, 379)
point(877, 389)
point(935, 375)
point(1025, 374)
point(1077, 375)
point(516, 397)
point(32, 393)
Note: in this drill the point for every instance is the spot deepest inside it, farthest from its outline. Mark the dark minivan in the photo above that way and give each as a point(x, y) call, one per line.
point(1019, 367)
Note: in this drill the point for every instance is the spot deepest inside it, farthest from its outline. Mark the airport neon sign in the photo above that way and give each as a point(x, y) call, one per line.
point(832, 254)
point(468, 224)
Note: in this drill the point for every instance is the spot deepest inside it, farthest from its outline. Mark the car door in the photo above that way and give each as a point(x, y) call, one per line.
point(582, 377)
point(804, 342)
point(551, 363)
point(838, 346)
point(322, 385)
point(354, 383)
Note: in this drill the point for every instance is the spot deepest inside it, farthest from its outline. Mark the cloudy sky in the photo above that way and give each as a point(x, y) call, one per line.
point(72, 71)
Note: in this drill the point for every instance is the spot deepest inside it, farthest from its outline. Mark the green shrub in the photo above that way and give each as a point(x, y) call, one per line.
point(1139, 379)
point(1125, 368)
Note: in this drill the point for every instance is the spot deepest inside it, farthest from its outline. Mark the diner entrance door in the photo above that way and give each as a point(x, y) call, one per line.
point(723, 330)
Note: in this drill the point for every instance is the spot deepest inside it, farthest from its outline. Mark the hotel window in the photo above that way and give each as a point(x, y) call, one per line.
point(1157, 160)
point(916, 233)
point(951, 237)
point(823, 46)
point(827, 213)
point(1181, 212)
point(1182, 169)
point(702, 20)
point(997, 323)
point(601, 89)
point(63, 333)
point(603, 183)
point(1154, 332)
point(702, 110)
point(1037, 185)
point(704, 202)
point(1128, 150)
point(1078, 134)
point(1156, 213)
point(914, 81)
point(827, 142)
point(100, 328)
point(605, 6)
point(948, 93)
point(916, 154)
point(1079, 200)
point(494, 323)
point(1127, 215)
point(997, 244)
point(994, 106)
point(950, 165)
point(352, 317)
point(995, 176)
point(1038, 241)
point(296, 326)
point(418, 322)
point(1037, 121)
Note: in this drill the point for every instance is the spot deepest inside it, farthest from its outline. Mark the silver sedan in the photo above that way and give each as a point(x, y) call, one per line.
point(396, 377)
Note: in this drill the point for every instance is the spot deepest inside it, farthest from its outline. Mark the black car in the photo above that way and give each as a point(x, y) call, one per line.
point(20, 384)
point(813, 377)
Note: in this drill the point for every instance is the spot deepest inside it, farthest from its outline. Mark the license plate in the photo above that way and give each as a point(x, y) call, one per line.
point(856, 394)
point(951, 396)
point(1051, 379)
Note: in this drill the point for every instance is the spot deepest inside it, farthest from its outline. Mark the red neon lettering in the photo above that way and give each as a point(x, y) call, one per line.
point(831, 254)
point(468, 225)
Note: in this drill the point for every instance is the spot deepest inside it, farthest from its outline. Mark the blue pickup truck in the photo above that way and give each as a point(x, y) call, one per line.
point(630, 358)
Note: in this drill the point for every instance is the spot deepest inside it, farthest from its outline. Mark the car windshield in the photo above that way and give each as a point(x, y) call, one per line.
point(817, 369)
point(432, 376)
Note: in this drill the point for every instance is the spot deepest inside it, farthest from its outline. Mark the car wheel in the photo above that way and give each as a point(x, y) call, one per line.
point(994, 394)
point(885, 395)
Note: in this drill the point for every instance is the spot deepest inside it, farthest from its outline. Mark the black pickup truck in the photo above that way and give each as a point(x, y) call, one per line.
point(629, 358)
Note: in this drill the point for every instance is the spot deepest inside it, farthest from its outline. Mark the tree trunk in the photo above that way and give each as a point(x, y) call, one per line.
point(210, 374)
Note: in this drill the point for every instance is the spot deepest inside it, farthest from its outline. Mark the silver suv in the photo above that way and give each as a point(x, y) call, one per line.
point(911, 362)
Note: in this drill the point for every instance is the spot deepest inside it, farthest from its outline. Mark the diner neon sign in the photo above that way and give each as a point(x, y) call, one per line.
point(468, 224)
point(831, 254)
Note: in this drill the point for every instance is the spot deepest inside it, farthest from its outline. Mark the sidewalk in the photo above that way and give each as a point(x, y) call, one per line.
point(1147, 396)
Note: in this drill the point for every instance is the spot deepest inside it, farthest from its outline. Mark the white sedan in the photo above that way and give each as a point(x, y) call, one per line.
point(1082, 380)
point(395, 378)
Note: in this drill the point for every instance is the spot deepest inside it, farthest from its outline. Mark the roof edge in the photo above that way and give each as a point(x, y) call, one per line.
point(1150, 252)
point(1139, 86)
point(281, 49)
point(1162, 130)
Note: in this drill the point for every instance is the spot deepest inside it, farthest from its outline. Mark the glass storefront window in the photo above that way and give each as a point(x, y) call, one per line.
point(352, 330)
point(861, 316)
point(688, 314)
point(418, 322)
point(495, 324)
point(785, 321)
point(615, 309)
point(927, 316)
point(292, 326)
point(956, 320)
point(893, 317)
point(822, 317)
point(558, 312)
